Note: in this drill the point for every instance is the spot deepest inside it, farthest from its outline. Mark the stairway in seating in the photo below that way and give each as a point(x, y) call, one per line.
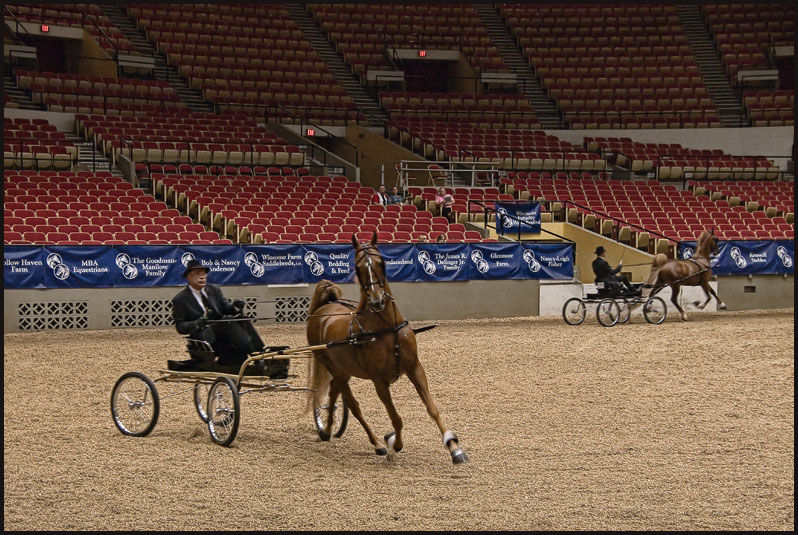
point(709, 65)
point(335, 63)
point(90, 159)
point(545, 109)
point(162, 71)
point(20, 97)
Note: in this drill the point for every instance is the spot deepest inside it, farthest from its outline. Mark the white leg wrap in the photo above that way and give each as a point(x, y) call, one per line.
point(391, 441)
point(448, 436)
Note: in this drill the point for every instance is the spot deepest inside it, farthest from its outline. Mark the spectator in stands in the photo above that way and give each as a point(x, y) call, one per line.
point(381, 197)
point(232, 341)
point(423, 239)
point(444, 202)
point(606, 274)
point(394, 197)
point(441, 238)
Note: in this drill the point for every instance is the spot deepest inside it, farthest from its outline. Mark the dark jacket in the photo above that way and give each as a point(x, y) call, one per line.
point(186, 312)
point(603, 271)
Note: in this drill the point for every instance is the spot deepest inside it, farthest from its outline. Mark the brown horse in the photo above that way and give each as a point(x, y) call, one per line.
point(389, 350)
point(678, 273)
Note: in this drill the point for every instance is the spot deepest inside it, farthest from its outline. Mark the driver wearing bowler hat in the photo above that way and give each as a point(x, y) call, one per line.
point(606, 274)
point(199, 303)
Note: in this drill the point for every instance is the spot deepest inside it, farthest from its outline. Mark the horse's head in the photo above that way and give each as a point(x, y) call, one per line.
point(707, 244)
point(370, 272)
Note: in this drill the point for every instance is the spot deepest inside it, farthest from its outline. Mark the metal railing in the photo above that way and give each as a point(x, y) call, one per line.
point(487, 210)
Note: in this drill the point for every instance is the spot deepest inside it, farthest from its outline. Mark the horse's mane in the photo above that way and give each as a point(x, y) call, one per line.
point(326, 292)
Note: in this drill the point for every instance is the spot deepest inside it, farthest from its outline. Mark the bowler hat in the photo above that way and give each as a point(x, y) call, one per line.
point(194, 264)
point(600, 250)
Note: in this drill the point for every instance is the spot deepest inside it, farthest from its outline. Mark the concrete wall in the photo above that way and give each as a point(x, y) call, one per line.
point(761, 291)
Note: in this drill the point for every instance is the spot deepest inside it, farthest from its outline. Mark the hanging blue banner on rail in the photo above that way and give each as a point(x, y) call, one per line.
point(224, 262)
point(147, 265)
point(22, 266)
point(400, 261)
point(526, 215)
point(442, 262)
point(272, 264)
point(332, 262)
point(548, 260)
point(740, 257)
point(89, 266)
point(495, 261)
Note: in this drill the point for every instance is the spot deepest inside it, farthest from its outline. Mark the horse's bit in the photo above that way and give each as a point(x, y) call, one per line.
point(366, 286)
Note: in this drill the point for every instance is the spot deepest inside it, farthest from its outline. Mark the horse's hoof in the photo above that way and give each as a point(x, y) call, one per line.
point(696, 303)
point(390, 440)
point(381, 451)
point(459, 456)
point(722, 306)
point(324, 436)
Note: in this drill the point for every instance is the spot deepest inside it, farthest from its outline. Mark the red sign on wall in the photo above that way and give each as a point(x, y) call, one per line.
point(45, 28)
point(310, 132)
point(422, 53)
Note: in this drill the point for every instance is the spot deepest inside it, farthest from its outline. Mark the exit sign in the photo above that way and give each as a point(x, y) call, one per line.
point(422, 53)
point(45, 28)
point(310, 132)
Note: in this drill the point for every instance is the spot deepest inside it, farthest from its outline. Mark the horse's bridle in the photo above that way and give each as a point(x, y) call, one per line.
point(374, 280)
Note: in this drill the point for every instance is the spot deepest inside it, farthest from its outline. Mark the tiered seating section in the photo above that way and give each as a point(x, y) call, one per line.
point(189, 142)
point(671, 161)
point(743, 33)
point(770, 108)
point(507, 148)
point(641, 76)
point(36, 144)
point(249, 57)
point(73, 208)
point(509, 110)
point(80, 93)
point(361, 32)
point(308, 209)
point(776, 198)
point(87, 16)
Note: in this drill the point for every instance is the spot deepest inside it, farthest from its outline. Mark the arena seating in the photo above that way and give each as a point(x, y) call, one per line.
point(36, 144)
point(361, 32)
point(87, 16)
point(80, 93)
point(68, 207)
point(743, 33)
point(241, 66)
point(770, 107)
point(776, 198)
point(643, 77)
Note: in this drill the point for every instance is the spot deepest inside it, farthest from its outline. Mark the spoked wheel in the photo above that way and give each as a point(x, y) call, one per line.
point(201, 391)
point(340, 418)
point(655, 310)
point(224, 411)
point(608, 312)
point(135, 405)
point(626, 310)
point(573, 311)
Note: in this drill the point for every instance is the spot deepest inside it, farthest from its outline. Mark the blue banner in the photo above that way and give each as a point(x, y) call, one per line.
point(492, 261)
point(273, 264)
point(147, 265)
point(528, 213)
point(548, 260)
point(332, 262)
point(400, 261)
point(748, 257)
point(22, 267)
point(163, 265)
point(89, 266)
point(442, 262)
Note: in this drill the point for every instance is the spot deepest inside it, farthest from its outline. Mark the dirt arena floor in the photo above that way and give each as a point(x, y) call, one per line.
point(679, 426)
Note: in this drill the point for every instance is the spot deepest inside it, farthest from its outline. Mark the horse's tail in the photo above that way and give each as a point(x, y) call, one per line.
point(318, 383)
point(656, 264)
point(326, 292)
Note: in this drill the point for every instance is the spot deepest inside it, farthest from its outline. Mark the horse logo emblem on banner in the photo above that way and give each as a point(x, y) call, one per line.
point(688, 253)
point(506, 221)
point(784, 256)
point(426, 263)
point(316, 267)
point(481, 263)
point(256, 268)
point(737, 256)
point(123, 262)
point(56, 263)
point(531, 262)
point(186, 258)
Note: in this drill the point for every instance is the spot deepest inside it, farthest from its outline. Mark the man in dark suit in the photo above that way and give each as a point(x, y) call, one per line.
point(192, 310)
point(606, 274)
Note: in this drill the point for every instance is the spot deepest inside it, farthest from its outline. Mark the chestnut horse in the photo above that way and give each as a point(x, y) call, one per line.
point(387, 350)
point(678, 273)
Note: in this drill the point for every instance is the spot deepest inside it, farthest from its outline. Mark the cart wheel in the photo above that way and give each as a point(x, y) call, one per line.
point(608, 312)
point(224, 411)
point(626, 310)
point(135, 405)
point(201, 391)
point(573, 311)
point(655, 310)
point(340, 418)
